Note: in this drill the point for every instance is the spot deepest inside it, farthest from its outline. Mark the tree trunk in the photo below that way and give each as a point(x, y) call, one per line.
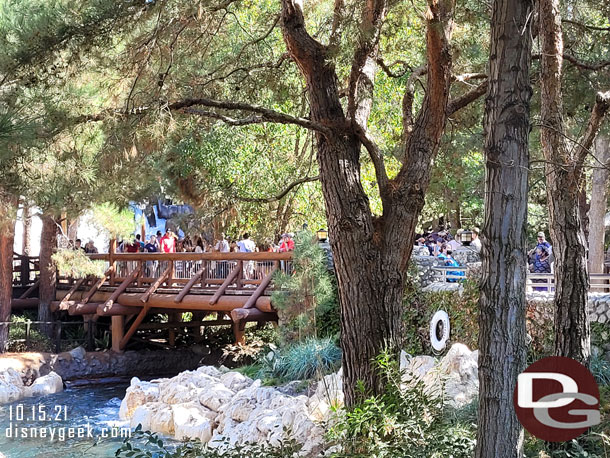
point(7, 234)
point(502, 344)
point(48, 245)
point(564, 184)
point(371, 253)
point(26, 240)
point(597, 211)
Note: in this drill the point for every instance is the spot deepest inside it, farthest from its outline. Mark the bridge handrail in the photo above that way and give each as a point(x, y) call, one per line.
point(215, 256)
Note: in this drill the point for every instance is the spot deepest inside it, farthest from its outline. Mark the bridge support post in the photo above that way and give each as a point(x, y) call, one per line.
point(118, 330)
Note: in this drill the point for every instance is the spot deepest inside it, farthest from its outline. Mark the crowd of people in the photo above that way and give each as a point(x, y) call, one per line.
point(88, 248)
point(437, 241)
point(171, 243)
point(442, 244)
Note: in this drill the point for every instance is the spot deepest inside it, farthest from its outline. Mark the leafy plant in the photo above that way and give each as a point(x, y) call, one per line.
point(145, 444)
point(17, 331)
point(113, 221)
point(401, 422)
point(420, 306)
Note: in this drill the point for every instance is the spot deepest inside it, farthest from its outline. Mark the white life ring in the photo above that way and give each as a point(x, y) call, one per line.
point(439, 330)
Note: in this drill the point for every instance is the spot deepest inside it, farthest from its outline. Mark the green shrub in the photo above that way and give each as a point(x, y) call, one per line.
point(401, 423)
point(144, 444)
point(300, 361)
point(75, 264)
point(601, 370)
point(600, 334)
point(306, 299)
point(419, 307)
point(17, 331)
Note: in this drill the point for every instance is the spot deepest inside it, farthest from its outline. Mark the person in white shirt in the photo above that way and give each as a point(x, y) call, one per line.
point(246, 245)
point(222, 245)
point(476, 241)
point(222, 267)
point(453, 243)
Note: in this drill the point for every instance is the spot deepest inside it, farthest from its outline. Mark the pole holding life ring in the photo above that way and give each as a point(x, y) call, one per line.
point(439, 330)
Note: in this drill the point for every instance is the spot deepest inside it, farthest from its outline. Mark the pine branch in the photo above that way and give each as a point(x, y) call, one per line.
point(600, 109)
point(281, 195)
point(185, 106)
point(462, 101)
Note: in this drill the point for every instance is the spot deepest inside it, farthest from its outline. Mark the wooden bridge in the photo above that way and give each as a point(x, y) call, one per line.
point(235, 286)
point(26, 272)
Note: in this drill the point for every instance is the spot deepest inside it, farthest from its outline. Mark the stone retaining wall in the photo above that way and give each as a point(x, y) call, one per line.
point(599, 303)
point(426, 264)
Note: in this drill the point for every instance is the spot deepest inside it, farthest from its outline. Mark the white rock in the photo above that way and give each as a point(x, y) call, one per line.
point(239, 409)
point(417, 366)
point(154, 416)
point(460, 370)
point(235, 381)
point(209, 370)
point(192, 421)
point(11, 386)
point(47, 384)
point(328, 396)
point(162, 420)
point(269, 423)
point(138, 393)
point(176, 394)
point(215, 396)
point(141, 416)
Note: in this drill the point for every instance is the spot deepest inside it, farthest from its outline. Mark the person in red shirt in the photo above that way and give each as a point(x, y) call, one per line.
point(287, 243)
point(168, 242)
point(133, 247)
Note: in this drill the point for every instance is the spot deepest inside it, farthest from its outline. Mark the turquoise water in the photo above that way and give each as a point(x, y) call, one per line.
point(95, 405)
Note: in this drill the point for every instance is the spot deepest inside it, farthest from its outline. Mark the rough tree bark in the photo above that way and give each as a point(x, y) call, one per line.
point(565, 181)
point(26, 220)
point(599, 198)
point(7, 233)
point(371, 253)
point(502, 344)
point(48, 244)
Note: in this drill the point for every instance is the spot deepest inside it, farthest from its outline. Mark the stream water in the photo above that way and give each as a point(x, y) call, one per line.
point(90, 411)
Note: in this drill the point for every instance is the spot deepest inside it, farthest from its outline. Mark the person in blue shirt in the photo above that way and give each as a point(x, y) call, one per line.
point(151, 246)
point(448, 260)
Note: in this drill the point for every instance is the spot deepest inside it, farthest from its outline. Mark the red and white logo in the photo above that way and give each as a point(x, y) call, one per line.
point(557, 399)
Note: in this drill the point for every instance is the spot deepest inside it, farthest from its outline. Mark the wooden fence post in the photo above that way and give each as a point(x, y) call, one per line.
point(58, 337)
point(90, 336)
point(117, 331)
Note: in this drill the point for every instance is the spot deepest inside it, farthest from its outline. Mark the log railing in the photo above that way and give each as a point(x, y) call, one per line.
point(536, 282)
point(193, 272)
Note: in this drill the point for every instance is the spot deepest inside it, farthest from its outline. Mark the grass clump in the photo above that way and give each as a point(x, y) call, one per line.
point(311, 358)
